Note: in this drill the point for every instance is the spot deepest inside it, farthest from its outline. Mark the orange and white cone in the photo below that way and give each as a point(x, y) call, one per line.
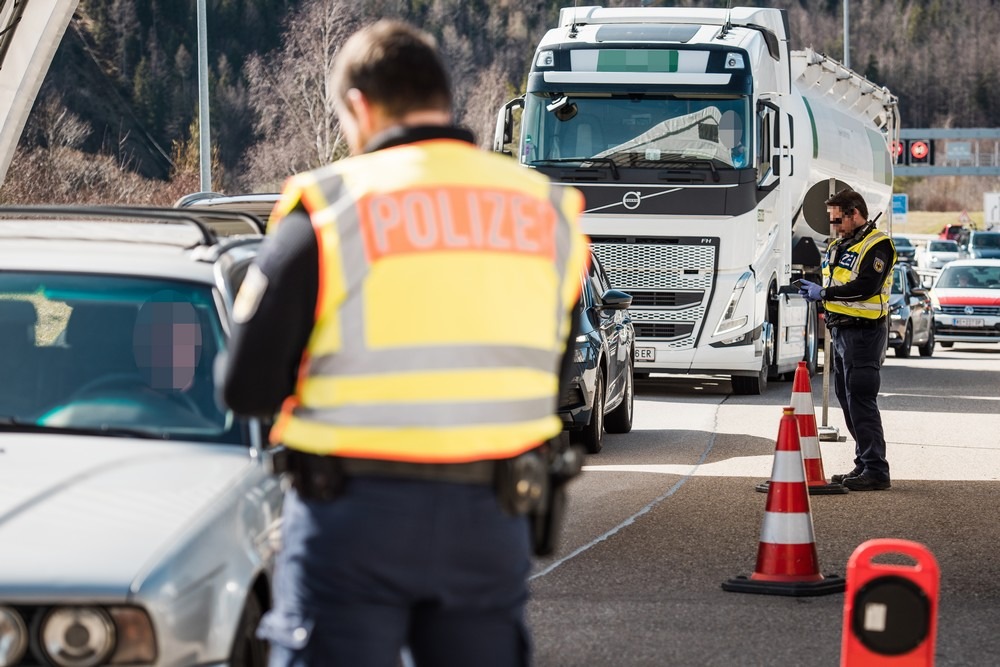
point(786, 555)
point(812, 457)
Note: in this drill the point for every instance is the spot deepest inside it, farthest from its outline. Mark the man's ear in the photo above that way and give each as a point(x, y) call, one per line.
point(361, 109)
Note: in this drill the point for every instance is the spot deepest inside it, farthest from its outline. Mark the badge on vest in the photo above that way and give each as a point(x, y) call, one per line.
point(879, 265)
point(847, 261)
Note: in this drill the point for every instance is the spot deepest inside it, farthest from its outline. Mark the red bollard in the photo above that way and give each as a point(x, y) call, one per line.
point(890, 611)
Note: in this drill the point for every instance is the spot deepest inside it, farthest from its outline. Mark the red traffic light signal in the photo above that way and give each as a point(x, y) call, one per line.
point(896, 148)
point(920, 151)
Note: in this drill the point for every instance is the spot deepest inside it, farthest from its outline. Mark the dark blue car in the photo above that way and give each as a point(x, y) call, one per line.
point(601, 396)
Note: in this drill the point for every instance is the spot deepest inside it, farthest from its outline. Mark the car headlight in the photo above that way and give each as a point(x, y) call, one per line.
point(13, 637)
point(78, 636)
point(581, 349)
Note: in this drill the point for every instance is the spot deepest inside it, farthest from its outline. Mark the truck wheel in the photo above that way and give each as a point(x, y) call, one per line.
point(811, 356)
point(592, 435)
point(757, 384)
point(619, 420)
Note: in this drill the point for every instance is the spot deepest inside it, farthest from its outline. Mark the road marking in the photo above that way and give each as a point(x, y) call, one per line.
point(691, 470)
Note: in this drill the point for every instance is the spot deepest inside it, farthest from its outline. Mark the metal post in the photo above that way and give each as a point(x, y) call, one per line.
point(204, 144)
point(847, 34)
point(825, 431)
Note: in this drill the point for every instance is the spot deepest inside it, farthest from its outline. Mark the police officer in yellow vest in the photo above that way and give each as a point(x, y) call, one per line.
point(857, 276)
point(408, 312)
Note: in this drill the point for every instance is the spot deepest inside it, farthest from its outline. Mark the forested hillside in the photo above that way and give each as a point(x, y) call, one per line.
point(123, 86)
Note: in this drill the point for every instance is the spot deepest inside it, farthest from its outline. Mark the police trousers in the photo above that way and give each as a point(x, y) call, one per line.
point(858, 353)
point(435, 566)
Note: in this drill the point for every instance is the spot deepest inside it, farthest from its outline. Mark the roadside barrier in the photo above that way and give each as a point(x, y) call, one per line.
point(890, 610)
point(812, 457)
point(787, 563)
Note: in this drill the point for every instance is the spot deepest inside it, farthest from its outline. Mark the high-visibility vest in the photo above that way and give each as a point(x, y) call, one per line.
point(848, 261)
point(447, 277)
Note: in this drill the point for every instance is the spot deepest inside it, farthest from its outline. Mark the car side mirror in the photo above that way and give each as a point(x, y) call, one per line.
point(918, 291)
point(615, 300)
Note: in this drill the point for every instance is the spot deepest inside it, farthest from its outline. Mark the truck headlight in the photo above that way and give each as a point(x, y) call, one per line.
point(78, 636)
point(13, 637)
point(729, 321)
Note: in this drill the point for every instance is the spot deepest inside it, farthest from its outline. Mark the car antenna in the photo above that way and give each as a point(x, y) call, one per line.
point(728, 25)
point(572, 29)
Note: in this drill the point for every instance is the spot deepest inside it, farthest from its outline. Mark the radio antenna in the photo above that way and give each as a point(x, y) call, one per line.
point(728, 25)
point(572, 28)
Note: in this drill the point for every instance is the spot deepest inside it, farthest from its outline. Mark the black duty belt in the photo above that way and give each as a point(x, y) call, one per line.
point(475, 472)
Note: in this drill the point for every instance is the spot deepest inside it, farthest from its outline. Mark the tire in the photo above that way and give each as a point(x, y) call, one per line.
point(811, 356)
point(619, 420)
point(248, 650)
point(591, 436)
point(903, 349)
point(757, 384)
point(927, 349)
point(947, 343)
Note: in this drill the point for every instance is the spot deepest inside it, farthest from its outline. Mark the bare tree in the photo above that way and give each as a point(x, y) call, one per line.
point(291, 97)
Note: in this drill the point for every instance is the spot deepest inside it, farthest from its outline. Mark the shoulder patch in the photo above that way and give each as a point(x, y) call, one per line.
point(879, 264)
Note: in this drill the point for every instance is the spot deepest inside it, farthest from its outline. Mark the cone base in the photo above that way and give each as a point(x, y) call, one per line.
point(831, 583)
point(814, 489)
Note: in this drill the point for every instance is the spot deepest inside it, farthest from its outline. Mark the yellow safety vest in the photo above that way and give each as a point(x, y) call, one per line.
point(447, 275)
point(847, 270)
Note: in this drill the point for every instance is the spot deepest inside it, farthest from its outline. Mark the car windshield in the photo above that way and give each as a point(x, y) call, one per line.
point(970, 277)
point(902, 242)
point(111, 353)
point(639, 130)
point(942, 246)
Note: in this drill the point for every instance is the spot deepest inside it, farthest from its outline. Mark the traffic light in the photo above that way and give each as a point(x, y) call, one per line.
point(898, 151)
point(919, 151)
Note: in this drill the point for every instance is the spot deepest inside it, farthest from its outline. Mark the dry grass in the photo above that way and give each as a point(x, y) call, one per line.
point(931, 222)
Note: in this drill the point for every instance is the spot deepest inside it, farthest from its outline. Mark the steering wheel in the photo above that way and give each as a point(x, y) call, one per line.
point(110, 381)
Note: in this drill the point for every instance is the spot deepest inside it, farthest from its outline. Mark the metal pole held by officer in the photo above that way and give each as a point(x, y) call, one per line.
point(857, 278)
point(416, 416)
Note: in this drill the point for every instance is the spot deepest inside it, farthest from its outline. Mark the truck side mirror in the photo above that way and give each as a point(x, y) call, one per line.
point(504, 133)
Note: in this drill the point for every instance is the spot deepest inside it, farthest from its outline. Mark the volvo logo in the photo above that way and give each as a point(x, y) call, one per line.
point(632, 199)
point(969, 310)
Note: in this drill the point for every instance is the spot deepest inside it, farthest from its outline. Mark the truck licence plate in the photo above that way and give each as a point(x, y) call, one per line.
point(645, 354)
point(968, 322)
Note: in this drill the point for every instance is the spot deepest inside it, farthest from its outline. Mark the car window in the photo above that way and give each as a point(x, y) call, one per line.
point(105, 352)
point(902, 242)
point(985, 241)
point(897, 282)
point(971, 277)
point(598, 281)
point(942, 246)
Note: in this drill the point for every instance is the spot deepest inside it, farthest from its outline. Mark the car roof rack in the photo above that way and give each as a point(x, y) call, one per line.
point(204, 221)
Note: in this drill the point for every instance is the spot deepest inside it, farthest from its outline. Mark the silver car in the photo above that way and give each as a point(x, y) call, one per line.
point(138, 517)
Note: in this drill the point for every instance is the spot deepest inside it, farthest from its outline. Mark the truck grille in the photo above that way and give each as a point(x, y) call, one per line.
point(670, 281)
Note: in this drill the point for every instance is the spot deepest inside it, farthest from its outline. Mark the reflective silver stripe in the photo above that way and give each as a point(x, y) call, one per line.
point(432, 359)
point(562, 246)
point(455, 414)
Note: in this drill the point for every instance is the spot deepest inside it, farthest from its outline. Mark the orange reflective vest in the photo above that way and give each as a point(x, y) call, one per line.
point(447, 275)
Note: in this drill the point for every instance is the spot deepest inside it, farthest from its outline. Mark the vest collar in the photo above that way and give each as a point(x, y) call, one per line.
point(408, 134)
point(861, 232)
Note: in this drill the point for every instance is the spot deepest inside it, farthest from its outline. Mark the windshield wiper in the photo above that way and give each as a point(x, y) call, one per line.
point(14, 425)
point(604, 160)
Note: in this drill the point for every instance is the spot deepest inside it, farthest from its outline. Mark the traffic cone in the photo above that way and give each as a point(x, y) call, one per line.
point(812, 458)
point(786, 555)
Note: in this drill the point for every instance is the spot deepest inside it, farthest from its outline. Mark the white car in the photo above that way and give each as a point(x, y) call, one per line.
point(138, 518)
point(938, 253)
point(966, 302)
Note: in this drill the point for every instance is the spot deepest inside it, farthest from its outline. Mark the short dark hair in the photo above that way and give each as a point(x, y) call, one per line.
point(395, 66)
point(848, 200)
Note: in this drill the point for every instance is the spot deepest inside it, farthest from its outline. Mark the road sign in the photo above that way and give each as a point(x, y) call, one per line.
point(991, 208)
point(921, 151)
point(958, 150)
point(900, 207)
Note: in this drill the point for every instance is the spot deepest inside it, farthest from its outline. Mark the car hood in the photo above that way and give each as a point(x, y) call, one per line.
point(967, 297)
point(895, 300)
point(87, 515)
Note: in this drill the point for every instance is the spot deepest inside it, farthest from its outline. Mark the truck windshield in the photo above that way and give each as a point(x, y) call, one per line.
point(641, 131)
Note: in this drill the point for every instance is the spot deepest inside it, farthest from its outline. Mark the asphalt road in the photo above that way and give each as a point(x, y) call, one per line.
point(664, 515)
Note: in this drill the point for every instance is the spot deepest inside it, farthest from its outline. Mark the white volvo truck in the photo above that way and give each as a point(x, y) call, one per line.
point(705, 150)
